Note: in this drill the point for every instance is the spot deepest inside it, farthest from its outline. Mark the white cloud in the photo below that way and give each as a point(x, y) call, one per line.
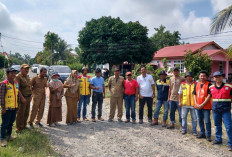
point(219, 5)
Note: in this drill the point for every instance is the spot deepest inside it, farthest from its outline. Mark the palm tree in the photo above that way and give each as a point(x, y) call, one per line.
point(222, 20)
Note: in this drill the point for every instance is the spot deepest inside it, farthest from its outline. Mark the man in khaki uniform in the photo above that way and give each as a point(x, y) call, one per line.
point(38, 84)
point(116, 90)
point(25, 88)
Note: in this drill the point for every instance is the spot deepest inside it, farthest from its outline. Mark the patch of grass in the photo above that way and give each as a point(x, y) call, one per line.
point(30, 143)
point(91, 74)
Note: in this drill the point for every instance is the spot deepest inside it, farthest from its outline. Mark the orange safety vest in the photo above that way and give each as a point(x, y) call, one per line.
point(201, 95)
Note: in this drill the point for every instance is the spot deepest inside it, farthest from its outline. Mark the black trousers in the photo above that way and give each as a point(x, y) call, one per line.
point(97, 99)
point(149, 101)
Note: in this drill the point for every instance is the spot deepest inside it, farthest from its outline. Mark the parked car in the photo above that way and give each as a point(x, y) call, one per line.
point(42, 66)
point(34, 68)
point(16, 67)
point(63, 70)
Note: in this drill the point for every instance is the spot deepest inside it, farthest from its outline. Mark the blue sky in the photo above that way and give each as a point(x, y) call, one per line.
point(32, 19)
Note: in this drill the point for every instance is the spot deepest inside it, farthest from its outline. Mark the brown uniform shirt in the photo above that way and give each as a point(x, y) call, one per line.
point(24, 84)
point(116, 86)
point(175, 86)
point(38, 85)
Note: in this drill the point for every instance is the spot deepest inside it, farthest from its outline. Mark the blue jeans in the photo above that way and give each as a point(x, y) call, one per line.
point(97, 99)
point(130, 105)
point(173, 106)
point(226, 116)
point(201, 116)
point(185, 111)
point(8, 120)
point(157, 109)
point(84, 99)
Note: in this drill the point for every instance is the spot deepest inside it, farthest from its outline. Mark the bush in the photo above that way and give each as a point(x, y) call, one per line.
point(2, 74)
point(75, 66)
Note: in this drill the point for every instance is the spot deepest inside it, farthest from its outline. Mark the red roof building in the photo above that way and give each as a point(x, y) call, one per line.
point(175, 56)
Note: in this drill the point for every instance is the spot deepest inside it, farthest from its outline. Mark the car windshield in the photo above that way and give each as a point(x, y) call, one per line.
point(62, 69)
point(16, 67)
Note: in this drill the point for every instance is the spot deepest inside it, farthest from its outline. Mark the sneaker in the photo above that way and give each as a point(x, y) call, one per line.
point(31, 126)
point(78, 120)
point(133, 122)
point(3, 143)
point(101, 119)
point(229, 148)
point(52, 125)
point(39, 124)
point(201, 136)
point(208, 138)
point(93, 120)
point(69, 123)
point(57, 124)
point(127, 121)
point(11, 138)
point(149, 120)
point(217, 142)
point(110, 120)
point(140, 121)
point(172, 126)
point(183, 132)
point(85, 119)
point(194, 134)
point(119, 120)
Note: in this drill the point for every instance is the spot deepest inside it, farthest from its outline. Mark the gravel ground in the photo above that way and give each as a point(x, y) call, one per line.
point(107, 139)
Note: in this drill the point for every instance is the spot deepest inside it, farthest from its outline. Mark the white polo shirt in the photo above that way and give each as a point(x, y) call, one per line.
point(145, 83)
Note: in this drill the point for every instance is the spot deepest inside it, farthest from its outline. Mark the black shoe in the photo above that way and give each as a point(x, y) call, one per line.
point(39, 124)
point(208, 138)
point(217, 142)
point(201, 136)
point(119, 120)
point(229, 148)
point(31, 126)
point(110, 120)
point(140, 121)
point(183, 132)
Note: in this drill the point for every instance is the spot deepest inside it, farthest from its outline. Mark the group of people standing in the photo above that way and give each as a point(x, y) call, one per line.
point(177, 93)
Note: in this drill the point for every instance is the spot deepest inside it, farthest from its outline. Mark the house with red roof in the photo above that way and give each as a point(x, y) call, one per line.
point(175, 56)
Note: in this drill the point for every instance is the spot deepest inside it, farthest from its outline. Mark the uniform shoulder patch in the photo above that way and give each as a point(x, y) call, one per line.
point(229, 85)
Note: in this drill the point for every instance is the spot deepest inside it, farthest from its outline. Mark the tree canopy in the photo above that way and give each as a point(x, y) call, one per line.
point(221, 20)
point(110, 40)
point(163, 38)
point(197, 62)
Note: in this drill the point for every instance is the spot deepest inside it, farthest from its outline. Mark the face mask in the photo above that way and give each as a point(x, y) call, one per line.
point(55, 80)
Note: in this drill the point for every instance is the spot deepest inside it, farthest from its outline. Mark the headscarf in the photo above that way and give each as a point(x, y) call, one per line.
point(73, 80)
point(58, 85)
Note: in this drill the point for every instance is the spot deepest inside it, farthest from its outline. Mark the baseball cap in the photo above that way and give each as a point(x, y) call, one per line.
point(128, 73)
point(176, 69)
point(188, 74)
point(116, 69)
point(98, 70)
point(10, 70)
point(25, 66)
point(217, 73)
point(162, 72)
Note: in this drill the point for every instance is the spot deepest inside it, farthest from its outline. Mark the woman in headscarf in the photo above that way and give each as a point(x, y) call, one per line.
point(72, 96)
point(55, 100)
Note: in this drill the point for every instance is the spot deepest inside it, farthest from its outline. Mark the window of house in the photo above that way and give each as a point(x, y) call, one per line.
point(221, 67)
point(180, 64)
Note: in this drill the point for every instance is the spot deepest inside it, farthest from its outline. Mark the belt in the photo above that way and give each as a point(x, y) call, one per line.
point(27, 95)
point(220, 100)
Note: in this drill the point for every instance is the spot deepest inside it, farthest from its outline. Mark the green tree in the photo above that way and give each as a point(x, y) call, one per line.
point(221, 20)
point(110, 40)
point(197, 62)
point(3, 62)
point(163, 38)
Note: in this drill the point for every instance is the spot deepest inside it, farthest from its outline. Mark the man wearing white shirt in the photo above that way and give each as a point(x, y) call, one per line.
point(146, 93)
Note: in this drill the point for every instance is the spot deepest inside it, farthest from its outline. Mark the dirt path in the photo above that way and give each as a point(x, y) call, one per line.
point(104, 139)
